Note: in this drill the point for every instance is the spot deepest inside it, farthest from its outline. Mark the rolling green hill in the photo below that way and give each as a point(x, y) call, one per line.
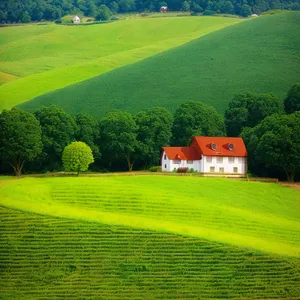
point(38, 59)
point(260, 55)
point(145, 237)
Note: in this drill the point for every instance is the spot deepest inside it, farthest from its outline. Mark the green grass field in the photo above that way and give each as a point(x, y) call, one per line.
point(259, 55)
point(148, 237)
point(38, 59)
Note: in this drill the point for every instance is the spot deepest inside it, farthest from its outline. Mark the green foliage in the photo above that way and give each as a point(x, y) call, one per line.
point(88, 132)
point(249, 109)
point(245, 10)
point(195, 118)
point(200, 70)
point(275, 142)
point(292, 100)
point(20, 138)
point(104, 13)
point(119, 137)
point(185, 6)
point(77, 157)
point(154, 132)
point(58, 131)
point(155, 169)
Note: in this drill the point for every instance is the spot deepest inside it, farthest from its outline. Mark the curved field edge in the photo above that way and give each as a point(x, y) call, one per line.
point(24, 89)
point(186, 211)
point(45, 258)
point(260, 55)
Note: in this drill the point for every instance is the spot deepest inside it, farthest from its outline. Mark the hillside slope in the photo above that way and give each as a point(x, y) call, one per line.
point(145, 237)
point(259, 55)
point(45, 58)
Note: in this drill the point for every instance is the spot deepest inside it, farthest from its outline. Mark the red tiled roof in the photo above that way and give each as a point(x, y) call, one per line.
point(203, 144)
point(185, 153)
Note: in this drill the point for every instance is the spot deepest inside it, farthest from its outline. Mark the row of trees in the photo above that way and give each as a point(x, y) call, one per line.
point(120, 140)
point(12, 11)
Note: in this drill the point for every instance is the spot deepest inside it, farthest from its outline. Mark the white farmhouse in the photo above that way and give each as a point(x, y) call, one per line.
point(76, 20)
point(208, 155)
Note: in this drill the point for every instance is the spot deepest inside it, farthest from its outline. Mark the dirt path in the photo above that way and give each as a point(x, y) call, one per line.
point(292, 185)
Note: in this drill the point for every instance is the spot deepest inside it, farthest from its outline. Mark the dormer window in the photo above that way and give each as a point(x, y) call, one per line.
point(213, 146)
point(230, 146)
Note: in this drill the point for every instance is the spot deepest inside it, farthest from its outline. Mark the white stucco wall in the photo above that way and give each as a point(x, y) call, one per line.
point(239, 162)
point(169, 165)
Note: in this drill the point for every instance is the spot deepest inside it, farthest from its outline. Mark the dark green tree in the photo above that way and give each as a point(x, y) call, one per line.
point(155, 131)
point(126, 5)
point(245, 10)
point(88, 132)
point(26, 18)
point(58, 131)
point(20, 138)
point(119, 137)
point(275, 143)
point(292, 100)
point(248, 109)
point(104, 13)
point(185, 6)
point(196, 118)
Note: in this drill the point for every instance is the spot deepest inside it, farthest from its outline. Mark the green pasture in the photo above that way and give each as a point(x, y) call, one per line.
point(46, 58)
point(259, 55)
point(148, 237)
point(252, 215)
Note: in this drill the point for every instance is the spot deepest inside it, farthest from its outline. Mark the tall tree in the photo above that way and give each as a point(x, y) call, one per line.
point(20, 138)
point(58, 131)
point(155, 131)
point(275, 143)
point(292, 100)
point(196, 118)
point(248, 109)
point(88, 132)
point(119, 137)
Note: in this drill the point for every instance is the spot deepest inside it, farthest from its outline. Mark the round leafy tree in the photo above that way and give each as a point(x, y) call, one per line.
point(77, 157)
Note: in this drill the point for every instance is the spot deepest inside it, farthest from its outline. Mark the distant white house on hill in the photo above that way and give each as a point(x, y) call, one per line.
point(76, 20)
point(254, 15)
point(208, 155)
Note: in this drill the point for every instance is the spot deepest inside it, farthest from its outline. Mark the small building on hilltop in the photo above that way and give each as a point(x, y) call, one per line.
point(76, 20)
point(208, 155)
point(163, 9)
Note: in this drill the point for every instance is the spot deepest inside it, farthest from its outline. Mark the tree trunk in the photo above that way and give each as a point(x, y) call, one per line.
point(129, 163)
point(290, 174)
point(18, 168)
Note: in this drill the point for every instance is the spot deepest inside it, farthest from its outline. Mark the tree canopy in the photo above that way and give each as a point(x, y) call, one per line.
point(20, 138)
point(196, 118)
point(58, 131)
point(292, 100)
point(275, 143)
point(248, 109)
point(154, 132)
point(77, 157)
point(119, 137)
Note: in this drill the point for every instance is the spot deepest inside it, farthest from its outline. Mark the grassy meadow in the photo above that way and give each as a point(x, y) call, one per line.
point(146, 237)
point(258, 55)
point(38, 59)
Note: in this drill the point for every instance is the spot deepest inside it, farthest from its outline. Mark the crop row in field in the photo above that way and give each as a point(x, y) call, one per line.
point(52, 258)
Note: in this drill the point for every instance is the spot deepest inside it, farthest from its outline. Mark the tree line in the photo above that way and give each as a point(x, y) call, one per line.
point(14, 11)
point(35, 142)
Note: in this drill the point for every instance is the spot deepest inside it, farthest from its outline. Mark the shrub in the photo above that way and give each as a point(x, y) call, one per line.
point(208, 13)
point(182, 170)
point(191, 170)
point(58, 21)
point(174, 170)
point(155, 169)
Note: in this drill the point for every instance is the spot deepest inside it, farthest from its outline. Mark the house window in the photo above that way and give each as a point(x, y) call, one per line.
point(212, 169)
point(240, 159)
point(165, 166)
point(219, 159)
point(231, 159)
point(165, 156)
point(235, 170)
point(208, 159)
point(177, 161)
point(189, 162)
point(221, 170)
